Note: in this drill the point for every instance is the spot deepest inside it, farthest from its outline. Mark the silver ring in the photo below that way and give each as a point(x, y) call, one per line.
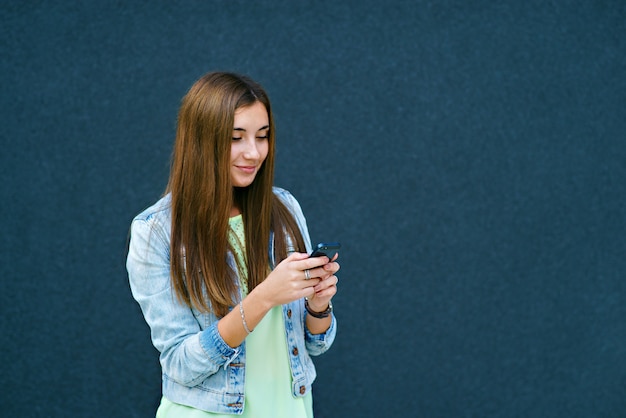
point(307, 275)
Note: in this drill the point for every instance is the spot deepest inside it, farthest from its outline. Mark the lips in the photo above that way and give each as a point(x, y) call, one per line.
point(248, 169)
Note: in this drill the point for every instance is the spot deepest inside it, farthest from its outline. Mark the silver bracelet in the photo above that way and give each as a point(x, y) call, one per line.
point(243, 318)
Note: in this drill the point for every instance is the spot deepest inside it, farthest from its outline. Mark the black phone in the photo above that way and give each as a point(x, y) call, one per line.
point(329, 249)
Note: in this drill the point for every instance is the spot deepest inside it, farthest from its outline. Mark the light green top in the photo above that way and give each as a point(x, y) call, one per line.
point(268, 376)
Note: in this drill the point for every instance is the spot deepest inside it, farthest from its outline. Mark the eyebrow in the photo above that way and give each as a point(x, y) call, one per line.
point(260, 129)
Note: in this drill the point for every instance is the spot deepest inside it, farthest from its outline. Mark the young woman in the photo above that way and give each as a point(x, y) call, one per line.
point(219, 266)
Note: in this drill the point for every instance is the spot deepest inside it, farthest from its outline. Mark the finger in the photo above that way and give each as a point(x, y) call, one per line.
point(322, 273)
point(324, 296)
point(318, 273)
point(332, 266)
point(297, 256)
point(310, 293)
point(309, 274)
point(313, 262)
point(312, 282)
point(325, 284)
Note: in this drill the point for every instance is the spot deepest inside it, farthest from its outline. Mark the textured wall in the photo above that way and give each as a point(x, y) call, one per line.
point(470, 156)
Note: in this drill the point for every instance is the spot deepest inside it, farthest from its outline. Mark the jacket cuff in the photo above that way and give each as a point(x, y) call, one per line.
point(319, 343)
point(215, 348)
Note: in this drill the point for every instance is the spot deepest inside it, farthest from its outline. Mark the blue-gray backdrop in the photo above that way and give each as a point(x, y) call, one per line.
point(469, 155)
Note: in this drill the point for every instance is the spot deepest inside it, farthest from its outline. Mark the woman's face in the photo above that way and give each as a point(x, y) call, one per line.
point(250, 143)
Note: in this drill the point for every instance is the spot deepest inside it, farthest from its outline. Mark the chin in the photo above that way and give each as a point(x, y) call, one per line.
point(242, 184)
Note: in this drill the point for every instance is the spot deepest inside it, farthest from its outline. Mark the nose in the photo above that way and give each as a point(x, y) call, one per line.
point(252, 150)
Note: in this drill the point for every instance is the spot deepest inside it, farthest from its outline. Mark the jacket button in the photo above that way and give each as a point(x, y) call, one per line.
point(289, 313)
point(302, 390)
point(295, 351)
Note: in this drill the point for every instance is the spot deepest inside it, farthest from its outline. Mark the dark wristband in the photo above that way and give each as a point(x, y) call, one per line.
point(320, 315)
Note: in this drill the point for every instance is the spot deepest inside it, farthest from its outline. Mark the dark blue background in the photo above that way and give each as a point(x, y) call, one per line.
point(469, 155)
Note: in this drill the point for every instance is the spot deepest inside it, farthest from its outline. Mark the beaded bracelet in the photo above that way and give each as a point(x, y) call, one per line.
point(243, 318)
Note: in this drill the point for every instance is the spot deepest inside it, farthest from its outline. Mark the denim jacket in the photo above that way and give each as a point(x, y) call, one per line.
point(198, 368)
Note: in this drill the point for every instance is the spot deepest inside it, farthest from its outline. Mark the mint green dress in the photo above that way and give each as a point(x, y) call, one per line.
point(268, 376)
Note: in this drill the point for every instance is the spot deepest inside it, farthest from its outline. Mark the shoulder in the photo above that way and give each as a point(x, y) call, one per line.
point(287, 199)
point(162, 208)
point(282, 194)
point(294, 208)
point(290, 203)
point(149, 237)
point(157, 217)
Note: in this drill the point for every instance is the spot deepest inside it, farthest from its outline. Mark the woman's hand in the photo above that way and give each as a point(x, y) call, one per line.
point(286, 283)
point(326, 288)
point(289, 280)
point(320, 299)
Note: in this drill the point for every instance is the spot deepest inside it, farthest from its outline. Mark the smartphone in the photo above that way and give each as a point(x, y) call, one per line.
point(329, 249)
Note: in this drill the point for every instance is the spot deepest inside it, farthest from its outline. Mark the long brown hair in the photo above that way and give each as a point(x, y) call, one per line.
point(202, 196)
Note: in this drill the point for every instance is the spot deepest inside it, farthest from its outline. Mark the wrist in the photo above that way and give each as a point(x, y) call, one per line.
point(260, 300)
point(316, 311)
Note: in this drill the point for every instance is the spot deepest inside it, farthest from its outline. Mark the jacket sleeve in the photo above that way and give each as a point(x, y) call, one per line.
point(188, 354)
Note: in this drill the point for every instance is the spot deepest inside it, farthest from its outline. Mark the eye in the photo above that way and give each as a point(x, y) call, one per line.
point(236, 138)
point(262, 137)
